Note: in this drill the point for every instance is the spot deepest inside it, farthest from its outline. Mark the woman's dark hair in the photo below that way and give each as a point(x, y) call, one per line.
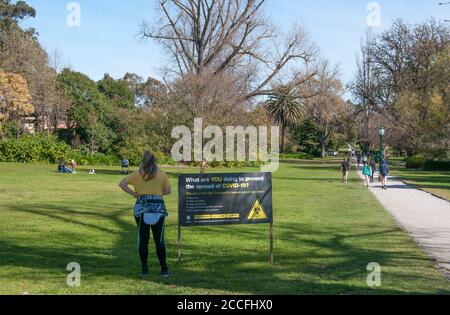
point(148, 166)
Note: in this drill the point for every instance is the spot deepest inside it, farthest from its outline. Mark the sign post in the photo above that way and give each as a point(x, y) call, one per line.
point(271, 244)
point(225, 199)
point(179, 242)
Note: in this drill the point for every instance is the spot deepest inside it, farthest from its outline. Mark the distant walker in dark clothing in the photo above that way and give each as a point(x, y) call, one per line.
point(345, 168)
point(125, 166)
point(384, 172)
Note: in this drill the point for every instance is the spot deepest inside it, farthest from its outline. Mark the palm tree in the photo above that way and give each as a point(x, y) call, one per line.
point(285, 109)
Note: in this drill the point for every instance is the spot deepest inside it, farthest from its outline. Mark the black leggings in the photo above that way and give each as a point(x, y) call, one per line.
point(158, 237)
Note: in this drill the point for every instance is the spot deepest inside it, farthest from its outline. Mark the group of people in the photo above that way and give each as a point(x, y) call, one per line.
point(67, 168)
point(369, 167)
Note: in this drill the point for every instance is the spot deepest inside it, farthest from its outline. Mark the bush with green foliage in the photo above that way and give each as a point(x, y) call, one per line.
point(436, 165)
point(33, 149)
point(42, 148)
point(296, 156)
point(415, 162)
point(230, 164)
point(421, 162)
point(307, 135)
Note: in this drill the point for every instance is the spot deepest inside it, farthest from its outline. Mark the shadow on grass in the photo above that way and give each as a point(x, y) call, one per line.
point(311, 261)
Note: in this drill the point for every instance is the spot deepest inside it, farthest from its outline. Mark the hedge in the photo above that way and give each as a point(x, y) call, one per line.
point(43, 148)
point(415, 162)
point(420, 162)
point(296, 156)
point(33, 149)
point(433, 165)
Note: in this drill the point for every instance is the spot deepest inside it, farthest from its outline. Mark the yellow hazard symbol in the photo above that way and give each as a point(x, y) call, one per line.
point(257, 212)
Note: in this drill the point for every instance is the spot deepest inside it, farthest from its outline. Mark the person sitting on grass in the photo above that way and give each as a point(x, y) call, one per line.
point(60, 167)
point(68, 169)
point(64, 168)
point(150, 185)
point(74, 166)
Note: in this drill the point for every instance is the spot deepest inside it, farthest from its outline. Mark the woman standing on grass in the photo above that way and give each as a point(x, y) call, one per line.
point(150, 185)
point(367, 172)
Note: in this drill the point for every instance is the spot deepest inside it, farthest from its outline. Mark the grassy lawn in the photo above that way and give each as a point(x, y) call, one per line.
point(437, 183)
point(326, 233)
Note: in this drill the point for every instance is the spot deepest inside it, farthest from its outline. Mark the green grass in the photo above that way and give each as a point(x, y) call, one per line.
point(326, 233)
point(437, 183)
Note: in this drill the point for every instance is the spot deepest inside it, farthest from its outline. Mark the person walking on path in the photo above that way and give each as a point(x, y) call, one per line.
point(367, 172)
point(150, 185)
point(345, 168)
point(358, 158)
point(384, 172)
point(373, 165)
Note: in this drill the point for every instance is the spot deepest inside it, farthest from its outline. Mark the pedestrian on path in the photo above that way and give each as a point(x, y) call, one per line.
point(367, 172)
point(384, 172)
point(373, 165)
point(345, 168)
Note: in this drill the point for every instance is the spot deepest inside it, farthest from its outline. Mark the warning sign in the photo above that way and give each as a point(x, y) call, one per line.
point(219, 199)
point(257, 212)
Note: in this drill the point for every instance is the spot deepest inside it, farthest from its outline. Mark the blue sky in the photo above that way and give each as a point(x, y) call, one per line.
point(106, 41)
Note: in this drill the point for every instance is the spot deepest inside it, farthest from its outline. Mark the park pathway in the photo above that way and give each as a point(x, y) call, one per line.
point(424, 216)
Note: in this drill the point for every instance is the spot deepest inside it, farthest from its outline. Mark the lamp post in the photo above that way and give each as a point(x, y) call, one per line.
point(381, 132)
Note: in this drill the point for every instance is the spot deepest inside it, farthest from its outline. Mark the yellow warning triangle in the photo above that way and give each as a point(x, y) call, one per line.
point(257, 212)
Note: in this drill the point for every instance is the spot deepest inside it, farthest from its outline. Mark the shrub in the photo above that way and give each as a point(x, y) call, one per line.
point(230, 164)
point(434, 165)
point(33, 149)
point(420, 162)
point(296, 156)
point(415, 162)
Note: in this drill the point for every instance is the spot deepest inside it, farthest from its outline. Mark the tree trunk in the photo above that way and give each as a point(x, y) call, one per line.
point(323, 149)
point(283, 132)
point(323, 145)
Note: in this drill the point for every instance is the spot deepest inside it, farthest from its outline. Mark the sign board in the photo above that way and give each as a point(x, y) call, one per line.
point(222, 199)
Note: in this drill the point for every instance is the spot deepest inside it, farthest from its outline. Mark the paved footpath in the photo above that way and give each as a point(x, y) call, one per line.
point(424, 216)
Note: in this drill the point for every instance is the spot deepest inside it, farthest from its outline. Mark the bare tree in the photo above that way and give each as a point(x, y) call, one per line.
point(227, 36)
point(402, 77)
point(325, 106)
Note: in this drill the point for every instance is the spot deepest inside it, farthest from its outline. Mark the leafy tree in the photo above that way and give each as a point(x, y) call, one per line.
point(15, 99)
point(117, 92)
point(307, 135)
point(285, 109)
point(89, 113)
point(21, 53)
point(11, 14)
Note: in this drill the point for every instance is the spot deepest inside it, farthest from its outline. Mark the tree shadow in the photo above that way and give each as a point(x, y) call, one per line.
point(325, 261)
